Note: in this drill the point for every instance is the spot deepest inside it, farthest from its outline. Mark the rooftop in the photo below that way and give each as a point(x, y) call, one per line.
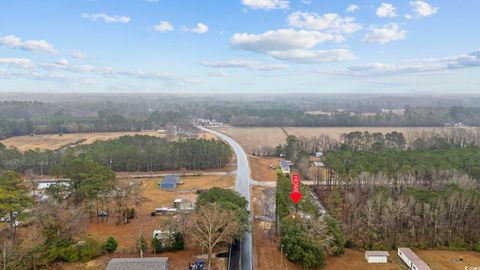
point(419, 263)
point(157, 263)
point(173, 179)
point(377, 253)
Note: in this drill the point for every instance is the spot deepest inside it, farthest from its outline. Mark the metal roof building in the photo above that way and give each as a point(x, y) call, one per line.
point(285, 166)
point(376, 256)
point(156, 263)
point(412, 260)
point(169, 182)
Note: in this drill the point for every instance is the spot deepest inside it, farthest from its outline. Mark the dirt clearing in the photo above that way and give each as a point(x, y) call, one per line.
point(261, 169)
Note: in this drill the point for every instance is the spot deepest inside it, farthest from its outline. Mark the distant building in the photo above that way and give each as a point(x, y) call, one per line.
point(319, 154)
point(376, 256)
point(155, 263)
point(44, 184)
point(183, 205)
point(169, 182)
point(412, 260)
point(285, 166)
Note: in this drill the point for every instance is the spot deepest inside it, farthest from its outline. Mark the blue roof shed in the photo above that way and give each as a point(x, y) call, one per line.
point(169, 182)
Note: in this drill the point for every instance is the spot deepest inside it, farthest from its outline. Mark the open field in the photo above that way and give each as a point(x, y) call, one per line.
point(55, 141)
point(258, 137)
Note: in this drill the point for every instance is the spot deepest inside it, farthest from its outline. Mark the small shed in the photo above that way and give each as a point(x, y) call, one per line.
point(412, 260)
point(154, 263)
point(285, 166)
point(376, 256)
point(169, 182)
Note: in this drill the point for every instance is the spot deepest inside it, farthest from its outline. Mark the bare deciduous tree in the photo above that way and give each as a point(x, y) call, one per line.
point(212, 226)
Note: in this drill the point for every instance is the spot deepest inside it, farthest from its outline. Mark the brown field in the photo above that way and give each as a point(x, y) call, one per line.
point(55, 141)
point(261, 170)
point(450, 260)
point(255, 138)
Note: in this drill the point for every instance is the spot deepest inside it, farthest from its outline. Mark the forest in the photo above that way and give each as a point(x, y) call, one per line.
point(138, 153)
point(96, 113)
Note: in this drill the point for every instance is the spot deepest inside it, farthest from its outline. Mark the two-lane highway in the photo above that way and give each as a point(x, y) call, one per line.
point(242, 185)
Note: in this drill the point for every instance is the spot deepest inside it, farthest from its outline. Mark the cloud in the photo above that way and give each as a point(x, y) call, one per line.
point(291, 45)
point(329, 22)
point(12, 41)
point(385, 34)
point(106, 18)
point(307, 2)
point(266, 4)
point(217, 74)
point(163, 26)
point(423, 9)
point(78, 54)
point(315, 56)
point(247, 64)
point(352, 8)
point(200, 29)
point(415, 66)
point(280, 40)
point(386, 10)
point(18, 62)
point(63, 64)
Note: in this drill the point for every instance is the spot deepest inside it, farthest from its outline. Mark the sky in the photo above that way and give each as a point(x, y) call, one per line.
point(240, 46)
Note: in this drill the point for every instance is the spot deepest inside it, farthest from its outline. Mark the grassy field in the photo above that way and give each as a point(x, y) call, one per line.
point(55, 141)
point(255, 138)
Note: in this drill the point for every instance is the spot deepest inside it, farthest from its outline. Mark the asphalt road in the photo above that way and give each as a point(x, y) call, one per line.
point(242, 185)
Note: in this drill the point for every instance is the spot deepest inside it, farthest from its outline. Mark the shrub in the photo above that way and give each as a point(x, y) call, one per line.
point(111, 244)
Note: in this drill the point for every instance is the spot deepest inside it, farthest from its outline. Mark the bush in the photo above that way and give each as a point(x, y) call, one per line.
point(82, 251)
point(111, 244)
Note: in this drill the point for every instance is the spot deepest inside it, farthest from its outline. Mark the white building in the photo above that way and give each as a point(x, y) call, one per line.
point(376, 256)
point(412, 260)
point(285, 166)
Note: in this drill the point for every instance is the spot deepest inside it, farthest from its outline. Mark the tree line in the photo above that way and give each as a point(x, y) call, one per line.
point(137, 153)
point(408, 213)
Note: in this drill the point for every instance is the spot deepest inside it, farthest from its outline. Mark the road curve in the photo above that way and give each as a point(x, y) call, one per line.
point(242, 185)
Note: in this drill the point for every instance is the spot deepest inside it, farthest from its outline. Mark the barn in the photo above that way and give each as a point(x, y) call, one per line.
point(412, 260)
point(169, 182)
point(376, 256)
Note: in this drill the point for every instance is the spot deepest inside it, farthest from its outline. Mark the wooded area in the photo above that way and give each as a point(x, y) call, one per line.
point(138, 153)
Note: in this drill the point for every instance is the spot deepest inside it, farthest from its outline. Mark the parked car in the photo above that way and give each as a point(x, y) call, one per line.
point(103, 214)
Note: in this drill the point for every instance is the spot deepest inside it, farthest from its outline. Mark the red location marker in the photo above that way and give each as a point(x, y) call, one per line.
point(295, 195)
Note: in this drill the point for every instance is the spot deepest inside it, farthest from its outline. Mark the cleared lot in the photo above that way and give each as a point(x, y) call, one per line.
point(55, 141)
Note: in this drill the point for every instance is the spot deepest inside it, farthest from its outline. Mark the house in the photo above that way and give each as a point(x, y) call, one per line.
point(165, 211)
point(169, 182)
point(285, 166)
point(154, 263)
point(376, 256)
point(183, 205)
point(318, 154)
point(412, 260)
